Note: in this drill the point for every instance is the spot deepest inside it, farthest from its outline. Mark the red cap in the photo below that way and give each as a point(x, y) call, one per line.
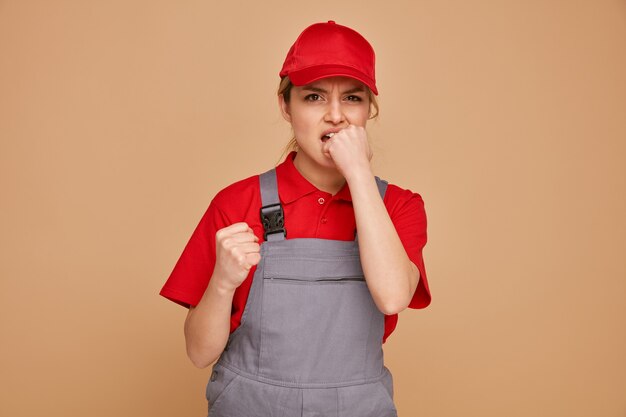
point(328, 50)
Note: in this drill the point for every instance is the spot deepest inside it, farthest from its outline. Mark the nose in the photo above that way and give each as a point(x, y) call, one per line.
point(334, 112)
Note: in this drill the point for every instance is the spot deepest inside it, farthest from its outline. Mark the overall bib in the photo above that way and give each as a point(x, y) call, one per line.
point(310, 339)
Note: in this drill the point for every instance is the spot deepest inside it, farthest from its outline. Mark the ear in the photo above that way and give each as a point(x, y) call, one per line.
point(284, 108)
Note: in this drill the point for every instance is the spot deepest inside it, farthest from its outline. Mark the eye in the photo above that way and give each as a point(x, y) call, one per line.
point(354, 98)
point(312, 97)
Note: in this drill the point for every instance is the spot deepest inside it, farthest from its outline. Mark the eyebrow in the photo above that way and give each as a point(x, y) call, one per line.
point(321, 90)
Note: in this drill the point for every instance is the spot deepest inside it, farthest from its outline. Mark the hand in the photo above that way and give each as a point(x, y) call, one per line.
point(237, 250)
point(350, 151)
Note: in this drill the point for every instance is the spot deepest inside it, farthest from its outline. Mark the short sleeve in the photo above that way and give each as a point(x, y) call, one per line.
point(409, 220)
point(191, 274)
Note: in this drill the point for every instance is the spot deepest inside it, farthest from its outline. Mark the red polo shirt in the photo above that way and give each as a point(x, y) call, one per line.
point(309, 212)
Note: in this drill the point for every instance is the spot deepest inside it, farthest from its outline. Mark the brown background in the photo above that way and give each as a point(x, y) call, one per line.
point(120, 120)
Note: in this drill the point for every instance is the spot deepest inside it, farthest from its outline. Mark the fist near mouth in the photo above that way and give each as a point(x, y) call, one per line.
point(348, 148)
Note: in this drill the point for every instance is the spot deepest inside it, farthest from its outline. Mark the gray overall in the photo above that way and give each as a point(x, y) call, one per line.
point(310, 339)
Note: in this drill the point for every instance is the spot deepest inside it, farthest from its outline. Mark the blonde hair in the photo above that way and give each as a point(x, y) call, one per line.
point(284, 88)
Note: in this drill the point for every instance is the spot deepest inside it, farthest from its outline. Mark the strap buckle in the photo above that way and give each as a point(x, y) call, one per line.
point(273, 219)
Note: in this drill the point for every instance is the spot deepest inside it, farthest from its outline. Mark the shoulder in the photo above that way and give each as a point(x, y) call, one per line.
point(239, 197)
point(247, 187)
point(398, 199)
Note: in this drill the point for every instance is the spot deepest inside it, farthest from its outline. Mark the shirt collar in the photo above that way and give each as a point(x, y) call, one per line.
point(292, 185)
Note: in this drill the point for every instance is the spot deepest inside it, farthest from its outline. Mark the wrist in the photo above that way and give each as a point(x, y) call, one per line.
point(221, 286)
point(360, 176)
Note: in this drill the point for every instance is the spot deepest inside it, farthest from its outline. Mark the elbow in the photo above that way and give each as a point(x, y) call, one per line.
point(394, 308)
point(400, 301)
point(396, 304)
point(393, 305)
point(200, 360)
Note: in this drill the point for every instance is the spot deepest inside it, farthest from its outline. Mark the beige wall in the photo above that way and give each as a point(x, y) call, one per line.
point(120, 120)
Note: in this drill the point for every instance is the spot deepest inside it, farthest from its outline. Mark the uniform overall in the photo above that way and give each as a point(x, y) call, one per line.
point(310, 339)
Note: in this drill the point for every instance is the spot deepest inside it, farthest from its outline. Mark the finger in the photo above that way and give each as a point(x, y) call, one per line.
point(244, 237)
point(237, 227)
point(325, 147)
point(253, 259)
point(250, 247)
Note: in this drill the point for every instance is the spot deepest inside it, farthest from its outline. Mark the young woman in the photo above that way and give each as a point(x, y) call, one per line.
point(282, 291)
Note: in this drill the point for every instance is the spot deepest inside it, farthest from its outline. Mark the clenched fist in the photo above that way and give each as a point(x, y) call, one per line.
point(237, 250)
point(350, 151)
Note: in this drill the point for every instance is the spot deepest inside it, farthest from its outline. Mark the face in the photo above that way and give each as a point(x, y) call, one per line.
point(329, 104)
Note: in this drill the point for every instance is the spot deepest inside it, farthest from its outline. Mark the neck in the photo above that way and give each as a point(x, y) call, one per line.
point(324, 178)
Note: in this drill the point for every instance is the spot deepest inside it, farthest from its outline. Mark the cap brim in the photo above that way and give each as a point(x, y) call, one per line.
point(310, 74)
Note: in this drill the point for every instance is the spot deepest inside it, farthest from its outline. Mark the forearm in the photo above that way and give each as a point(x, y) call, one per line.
point(391, 276)
point(207, 326)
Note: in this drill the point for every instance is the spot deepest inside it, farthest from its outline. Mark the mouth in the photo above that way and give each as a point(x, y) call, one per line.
point(327, 136)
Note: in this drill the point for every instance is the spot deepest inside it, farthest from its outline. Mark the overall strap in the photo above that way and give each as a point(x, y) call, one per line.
point(382, 188)
point(272, 215)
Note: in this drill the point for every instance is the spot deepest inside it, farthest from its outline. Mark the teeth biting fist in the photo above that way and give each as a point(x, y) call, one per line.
point(349, 149)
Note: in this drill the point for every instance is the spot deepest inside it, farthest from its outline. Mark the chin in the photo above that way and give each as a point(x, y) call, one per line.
point(318, 155)
point(328, 162)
